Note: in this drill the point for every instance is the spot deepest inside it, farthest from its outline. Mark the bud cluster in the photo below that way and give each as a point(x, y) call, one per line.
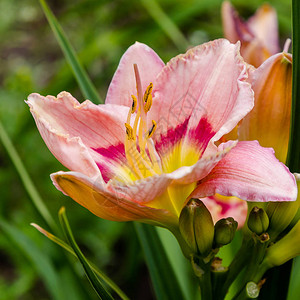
point(198, 230)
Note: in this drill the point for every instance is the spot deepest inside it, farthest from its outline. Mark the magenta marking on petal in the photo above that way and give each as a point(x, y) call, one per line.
point(172, 136)
point(224, 205)
point(113, 152)
point(105, 172)
point(199, 136)
point(202, 134)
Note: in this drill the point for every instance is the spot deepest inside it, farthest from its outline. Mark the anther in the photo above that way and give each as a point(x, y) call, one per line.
point(129, 132)
point(148, 97)
point(152, 129)
point(134, 104)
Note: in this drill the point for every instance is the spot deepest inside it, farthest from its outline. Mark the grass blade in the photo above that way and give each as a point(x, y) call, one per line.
point(162, 275)
point(167, 25)
point(85, 84)
point(100, 290)
point(64, 245)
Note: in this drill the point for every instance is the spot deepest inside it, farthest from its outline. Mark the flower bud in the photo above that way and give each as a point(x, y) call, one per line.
point(224, 231)
point(197, 227)
point(297, 215)
point(258, 221)
point(281, 215)
point(269, 120)
point(285, 249)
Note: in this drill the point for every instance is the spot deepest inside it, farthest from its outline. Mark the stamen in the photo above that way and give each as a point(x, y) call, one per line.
point(152, 129)
point(148, 97)
point(155, 159)
point(143, 162)
point(129, 132)
point(139, 90)
point(134, 104)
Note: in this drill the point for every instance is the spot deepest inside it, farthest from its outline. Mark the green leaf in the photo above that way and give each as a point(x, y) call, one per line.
point(40, 261)
point(164, 281)
point(98, 287)
point(180, 265)
point(293, 160)
point(166, 24)
point(294, 287)
point(85, 84)
point(282, 273)
point(64, 245)
point(294, 146)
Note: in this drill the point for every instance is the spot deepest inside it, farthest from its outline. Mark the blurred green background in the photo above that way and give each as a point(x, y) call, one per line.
point(31, 266)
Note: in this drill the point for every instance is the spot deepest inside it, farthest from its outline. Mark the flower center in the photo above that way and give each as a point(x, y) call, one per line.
point(140, 151)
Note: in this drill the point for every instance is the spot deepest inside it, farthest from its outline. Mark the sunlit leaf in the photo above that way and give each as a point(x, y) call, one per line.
point(64, 245)
point(164, 280)
point(98, 287)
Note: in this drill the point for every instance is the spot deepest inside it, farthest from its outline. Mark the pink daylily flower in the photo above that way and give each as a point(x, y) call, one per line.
point(151, 146)
point(258, 35)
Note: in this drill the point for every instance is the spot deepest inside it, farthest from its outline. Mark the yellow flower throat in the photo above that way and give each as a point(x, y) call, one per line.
point(142, 158)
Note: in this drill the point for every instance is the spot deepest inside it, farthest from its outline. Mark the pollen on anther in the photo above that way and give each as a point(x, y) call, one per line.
point(148, 97)
point(134, 104)
point(129, 132)
point(152, 129)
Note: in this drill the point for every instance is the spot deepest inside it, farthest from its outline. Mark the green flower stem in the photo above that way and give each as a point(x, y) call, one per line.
point(258, 253)
point(237, 265)
point(205, 284)
point(218, 280)
point(263, 268)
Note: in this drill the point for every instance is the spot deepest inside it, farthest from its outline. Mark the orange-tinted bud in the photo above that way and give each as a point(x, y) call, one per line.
point(269, 121)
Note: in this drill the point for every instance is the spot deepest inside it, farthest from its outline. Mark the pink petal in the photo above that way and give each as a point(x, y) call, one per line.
point(143, 190)
point(203, 167)
point(249, 172)
point(207, 85)
point(123, 84)
point(102, 202)
point(235, 29)
point(265, 28)
point(97, 129)
point(224, 207)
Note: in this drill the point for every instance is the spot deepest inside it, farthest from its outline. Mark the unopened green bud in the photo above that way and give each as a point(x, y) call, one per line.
point(258, 221)
point(187, 227)
point(197, 227)
point(224, 231)
point(281, 215)
point(285, 249)
point(292, 206)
